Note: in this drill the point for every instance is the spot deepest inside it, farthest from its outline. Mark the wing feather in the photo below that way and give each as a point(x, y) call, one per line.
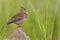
point(14, 19)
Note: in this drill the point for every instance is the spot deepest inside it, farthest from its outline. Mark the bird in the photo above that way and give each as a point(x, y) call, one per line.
point(20, 17)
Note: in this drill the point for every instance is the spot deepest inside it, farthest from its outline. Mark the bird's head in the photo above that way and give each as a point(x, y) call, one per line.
point(24, 10)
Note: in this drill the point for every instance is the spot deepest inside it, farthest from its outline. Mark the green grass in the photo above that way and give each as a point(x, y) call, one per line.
point(43, 22)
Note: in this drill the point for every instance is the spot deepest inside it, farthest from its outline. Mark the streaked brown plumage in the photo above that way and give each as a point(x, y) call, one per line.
point(19, 18)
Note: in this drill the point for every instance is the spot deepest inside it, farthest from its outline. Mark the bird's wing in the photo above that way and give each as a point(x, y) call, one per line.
point(15, 19)
point(16, 15)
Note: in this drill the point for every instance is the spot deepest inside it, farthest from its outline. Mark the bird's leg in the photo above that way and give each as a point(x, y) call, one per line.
point(19, 25)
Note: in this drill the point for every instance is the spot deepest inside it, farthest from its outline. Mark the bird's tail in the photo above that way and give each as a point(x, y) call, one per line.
point(9, 22)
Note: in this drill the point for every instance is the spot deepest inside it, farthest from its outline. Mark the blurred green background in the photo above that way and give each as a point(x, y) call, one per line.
point(43, 22)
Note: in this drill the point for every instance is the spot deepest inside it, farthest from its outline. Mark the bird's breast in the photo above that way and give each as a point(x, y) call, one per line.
point(21, 21)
